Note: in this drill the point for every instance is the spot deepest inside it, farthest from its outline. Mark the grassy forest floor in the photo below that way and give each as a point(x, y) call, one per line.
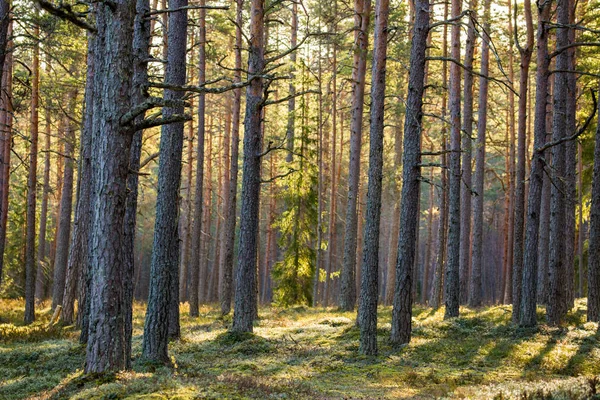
point(308, 353)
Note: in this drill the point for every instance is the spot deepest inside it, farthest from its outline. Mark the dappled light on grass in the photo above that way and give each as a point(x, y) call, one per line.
point(309, 353)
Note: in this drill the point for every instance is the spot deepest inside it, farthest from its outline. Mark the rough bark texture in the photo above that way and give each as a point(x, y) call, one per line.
point(519, 216)
point(107, 348)
point(475, 284)
point(411, 159)
point(164, 282)
point(245, 294)
point(31, 185)
point(528, 315)
point(228, 237)
point(197, 236)
point(361, 36)
point(557, 294)
point(467, 158)
point(79, 252)
point(593, 313)
point(141, 55)
point(451, 284)
point(367, 310)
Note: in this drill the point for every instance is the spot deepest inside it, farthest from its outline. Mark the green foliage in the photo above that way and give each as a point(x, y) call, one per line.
point(293, 275)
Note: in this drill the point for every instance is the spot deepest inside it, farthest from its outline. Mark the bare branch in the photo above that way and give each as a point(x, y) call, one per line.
point(65, 11)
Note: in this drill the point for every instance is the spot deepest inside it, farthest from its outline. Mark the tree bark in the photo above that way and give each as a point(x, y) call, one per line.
point(467, 153)
point(6, 140)
point(197, 240)
point(593, 310)
point(528, 315)
point(79, 253)
point(361, 37)
point(557, 295)
point(519, 216)
point(41, 276)
point(245, 294)
point(411, 160)
point(228, 237)
point(367, 310)
point(30, 266)
point(107, 347)
point(164, 269)
point(452, 288)
point(476, 289)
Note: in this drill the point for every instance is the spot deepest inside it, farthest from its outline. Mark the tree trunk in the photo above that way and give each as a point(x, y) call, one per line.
point(32, 183)
point(107, 347)
point(557, 295)
point(451, 284)
point(164, 269)
point(69, 283)
point(197, 241)
point(63, 234)
point(367, 309)
point(528, 316)
point(42, 263)
point(438, 281)
point(593, 311)
point(6, 141)
point(245, 295)
point(476, 289)
point(361, 38)
point(466, 187)
point(228, 237)
point(519, 218)
point(402, 310)
point(79, 253)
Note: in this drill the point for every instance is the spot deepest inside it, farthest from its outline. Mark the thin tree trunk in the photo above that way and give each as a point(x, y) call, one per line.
point(245, 295)
point(451, 284)
point(557, 295)
point(64, 224)
point(581, 230)
point(162, 315)
point(42, 263)
point(476, 288)
point(5, 148)
point(197, 227)
point(228, 238)
point(361, 36)
point(367, 308)
point(519, 216)
point(466, 187)
point(593, 310)
point(402, 310)
point(438, 283)
point(528, 316)
point(32, 183)
point(83, 212)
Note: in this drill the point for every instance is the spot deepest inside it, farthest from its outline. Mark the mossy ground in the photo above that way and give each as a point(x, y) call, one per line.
point(303, 353)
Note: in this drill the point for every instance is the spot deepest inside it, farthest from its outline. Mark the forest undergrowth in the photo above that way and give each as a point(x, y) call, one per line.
point(304, 353)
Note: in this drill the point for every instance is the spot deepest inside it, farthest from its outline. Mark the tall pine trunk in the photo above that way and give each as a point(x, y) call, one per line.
point(164, 268)
point(475, 284)
point(361, 36)
point(527, 316)
point(409, 218)
point(245, 294)
point(367, 310)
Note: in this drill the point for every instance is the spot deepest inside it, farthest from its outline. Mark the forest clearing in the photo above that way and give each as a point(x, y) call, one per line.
point(304, 353)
